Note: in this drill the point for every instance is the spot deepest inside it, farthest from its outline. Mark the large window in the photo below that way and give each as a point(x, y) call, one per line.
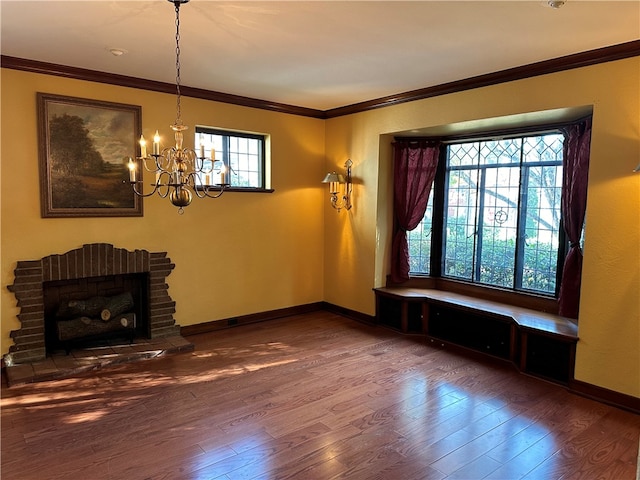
point(240, 155)
point(500, 224)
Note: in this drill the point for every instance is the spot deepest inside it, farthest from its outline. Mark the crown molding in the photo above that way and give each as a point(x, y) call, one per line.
point(578, 60)
point(76, 73)
point(584, 59)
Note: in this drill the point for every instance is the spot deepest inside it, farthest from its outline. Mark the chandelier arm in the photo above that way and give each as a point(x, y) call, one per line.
point(135, 189)
point(166, 186)
point(168, 155)
point(199, 163)
point(208, 195)
point(155, 163)
point(203, 191)
point(190, 182)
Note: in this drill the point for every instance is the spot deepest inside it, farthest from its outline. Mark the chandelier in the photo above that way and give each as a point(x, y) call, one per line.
point(179, 171)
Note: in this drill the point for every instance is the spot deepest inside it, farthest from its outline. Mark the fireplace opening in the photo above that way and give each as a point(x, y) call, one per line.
point(94, 311)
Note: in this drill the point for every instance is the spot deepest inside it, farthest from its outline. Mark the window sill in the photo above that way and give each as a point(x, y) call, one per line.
point(242, 189)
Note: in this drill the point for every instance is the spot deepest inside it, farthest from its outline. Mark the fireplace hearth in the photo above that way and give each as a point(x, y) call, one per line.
point(96, 270)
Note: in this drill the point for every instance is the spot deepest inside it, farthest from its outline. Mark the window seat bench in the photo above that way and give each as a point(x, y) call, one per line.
point(538, 343)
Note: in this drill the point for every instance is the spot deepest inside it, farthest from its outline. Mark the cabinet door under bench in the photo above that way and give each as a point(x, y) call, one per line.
point(547, 356)
point(488, 334)
point(400, 309)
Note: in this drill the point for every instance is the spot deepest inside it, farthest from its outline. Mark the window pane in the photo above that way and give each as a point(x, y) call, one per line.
point(547, 148)
point(542, 228)
point(461, 222)
point(497, 243)
point(419, 241)
point(463, 154)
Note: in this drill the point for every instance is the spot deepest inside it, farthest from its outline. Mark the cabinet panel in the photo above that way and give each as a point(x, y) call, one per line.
point(478, 332)
point(549, 358)
point(389, 312)
point(400, 314)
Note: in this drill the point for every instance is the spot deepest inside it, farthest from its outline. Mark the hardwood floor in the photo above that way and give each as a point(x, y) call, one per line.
point(314, 396)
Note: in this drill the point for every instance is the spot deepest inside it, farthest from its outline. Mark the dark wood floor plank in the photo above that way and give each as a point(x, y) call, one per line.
point(484, 437)
point(522, 464)
point(477, 468)
point(518, 443)
point(314, 396)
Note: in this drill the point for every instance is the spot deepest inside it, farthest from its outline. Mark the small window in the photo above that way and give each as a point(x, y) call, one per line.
point(241, 154)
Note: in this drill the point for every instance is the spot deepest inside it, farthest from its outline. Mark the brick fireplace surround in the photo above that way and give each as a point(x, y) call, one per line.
point(92, 260)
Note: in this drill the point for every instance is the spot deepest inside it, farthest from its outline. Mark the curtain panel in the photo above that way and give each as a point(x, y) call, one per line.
point(414, 169)
point(573, 207)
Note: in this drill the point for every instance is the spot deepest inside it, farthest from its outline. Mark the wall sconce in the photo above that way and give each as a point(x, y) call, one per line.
point(334, 180)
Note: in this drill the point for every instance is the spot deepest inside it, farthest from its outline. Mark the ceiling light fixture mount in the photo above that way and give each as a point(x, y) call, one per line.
point(179, 171)
point(553, 3)
point(117, 52)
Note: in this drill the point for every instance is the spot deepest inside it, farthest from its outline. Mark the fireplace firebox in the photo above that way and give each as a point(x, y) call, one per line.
point(93, 310)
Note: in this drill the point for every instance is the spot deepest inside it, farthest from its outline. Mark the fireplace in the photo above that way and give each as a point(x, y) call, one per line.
point(95, 270)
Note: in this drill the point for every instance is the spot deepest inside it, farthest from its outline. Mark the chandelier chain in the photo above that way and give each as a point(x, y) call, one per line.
point(178, 114)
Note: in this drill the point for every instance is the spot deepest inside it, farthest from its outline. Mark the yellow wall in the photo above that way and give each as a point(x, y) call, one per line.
point(608, 353)
point(242, 253)
point(290, 248)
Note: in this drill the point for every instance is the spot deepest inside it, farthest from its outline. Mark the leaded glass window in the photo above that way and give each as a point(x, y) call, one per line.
point(501, 214)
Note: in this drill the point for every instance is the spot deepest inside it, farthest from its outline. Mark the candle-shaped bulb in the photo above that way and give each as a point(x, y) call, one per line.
point(143, 147)
point(213, 154)
point(132, 170)
point(223, 175)
point(156, 143)
point(202, 150)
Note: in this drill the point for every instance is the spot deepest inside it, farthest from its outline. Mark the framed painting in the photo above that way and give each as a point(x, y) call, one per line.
point(84, 147)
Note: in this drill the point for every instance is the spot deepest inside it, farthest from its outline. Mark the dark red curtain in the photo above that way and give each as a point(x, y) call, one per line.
point(414, 169)
point(573, 205)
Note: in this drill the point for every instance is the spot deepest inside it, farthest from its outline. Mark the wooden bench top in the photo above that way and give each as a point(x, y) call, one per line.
point(524, 317)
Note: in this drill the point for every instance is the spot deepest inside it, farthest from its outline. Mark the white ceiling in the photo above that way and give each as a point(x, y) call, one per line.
point(321, 55)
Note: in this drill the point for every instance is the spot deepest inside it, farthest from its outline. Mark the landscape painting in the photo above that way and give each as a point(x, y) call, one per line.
point(84, 148)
